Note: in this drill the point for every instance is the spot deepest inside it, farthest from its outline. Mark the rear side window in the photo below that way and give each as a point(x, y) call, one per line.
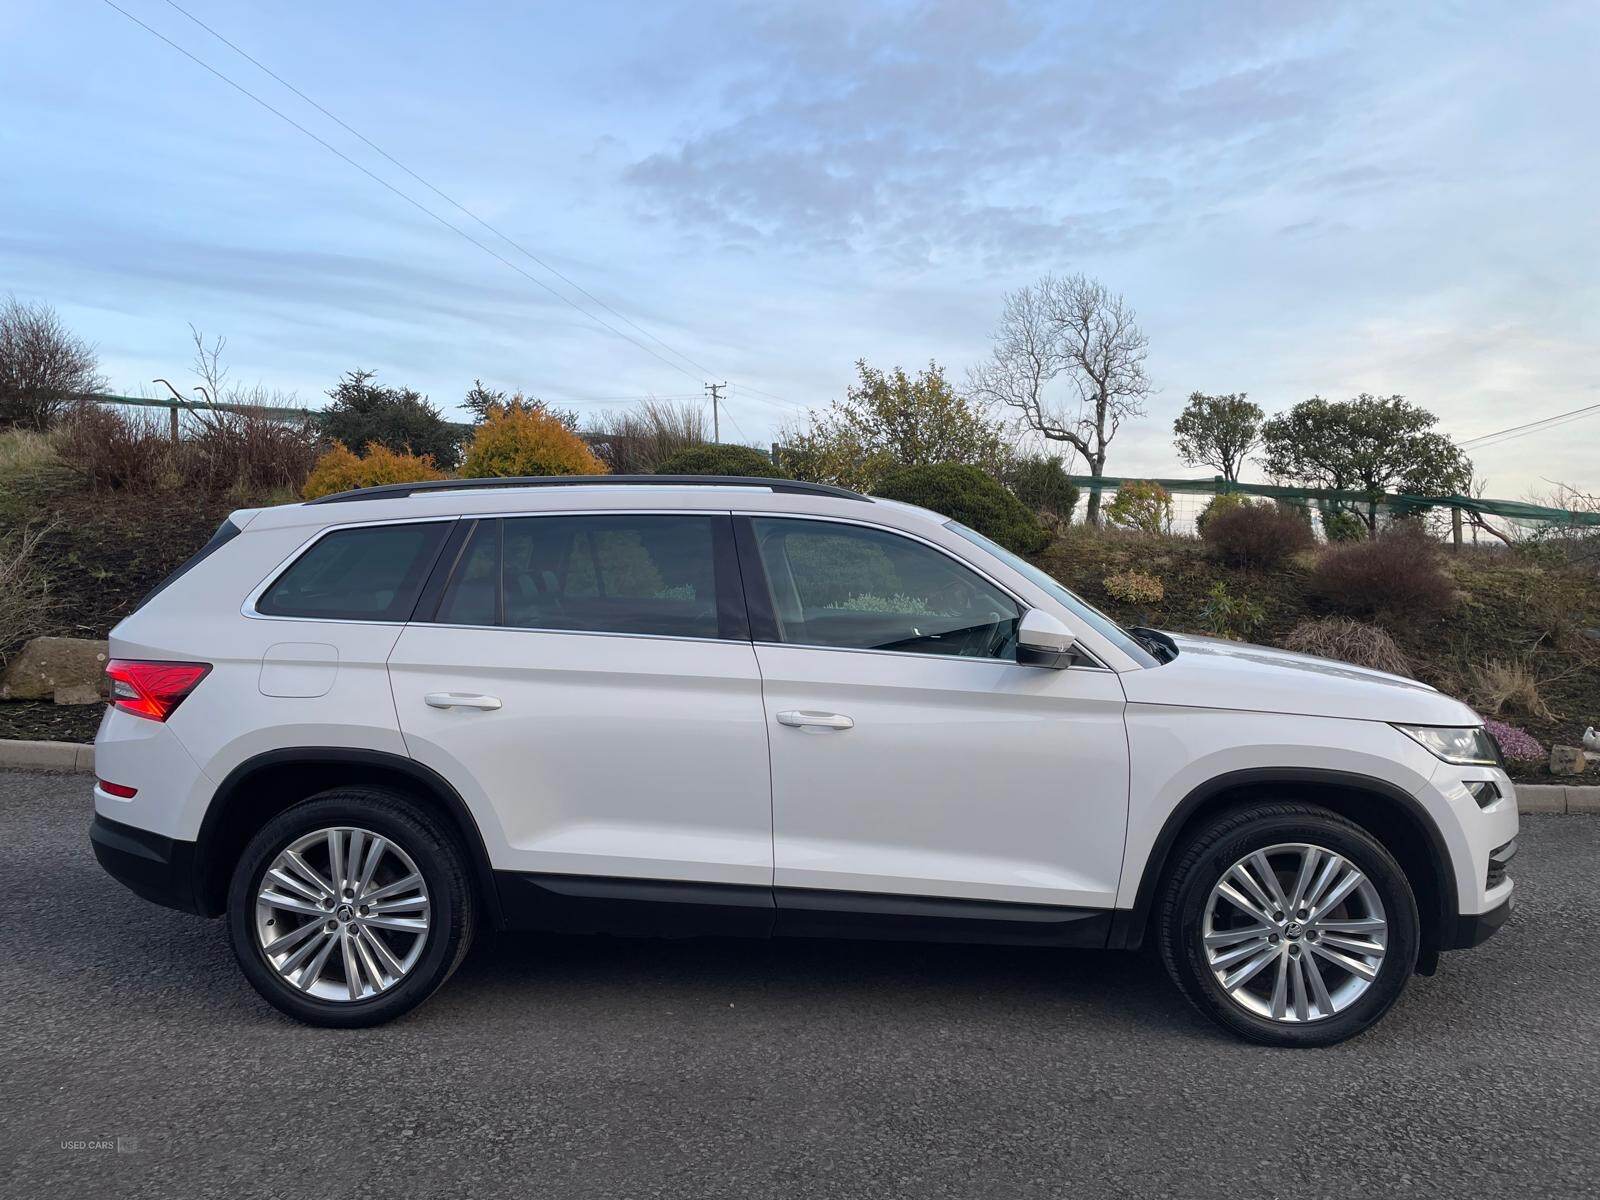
point(653, 574)
point(368, 574)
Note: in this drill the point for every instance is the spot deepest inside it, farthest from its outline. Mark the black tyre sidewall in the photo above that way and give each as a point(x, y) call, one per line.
point(438, 860)
point(1224, 844)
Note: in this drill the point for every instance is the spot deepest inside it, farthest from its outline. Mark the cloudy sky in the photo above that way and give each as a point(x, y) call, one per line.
point(1297, 199)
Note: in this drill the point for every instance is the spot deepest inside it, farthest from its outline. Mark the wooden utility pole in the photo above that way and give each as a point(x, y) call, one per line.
point(716, 422)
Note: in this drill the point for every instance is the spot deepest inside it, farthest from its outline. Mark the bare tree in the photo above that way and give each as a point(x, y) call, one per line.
point(1069, 329)
point(43, 366)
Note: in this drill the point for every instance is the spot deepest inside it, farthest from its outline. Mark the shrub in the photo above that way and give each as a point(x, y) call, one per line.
point(118, 451)
point(1255, 535)
point(363, 412)
point(1342, 525)
point(249, 453)
point(638, 441)
point(1141, 505)
point(1220, 503)
point(1042, 483)
point(1516, 744)
point(1230, 616)
point(971, 497)
point(1348, 641)
point(522, 440)
point(24, 590)
point(44, 367)
point(719, 460)
point(1134, 587)
point(1510, 686)
point(339, 470)
point(1399, 575)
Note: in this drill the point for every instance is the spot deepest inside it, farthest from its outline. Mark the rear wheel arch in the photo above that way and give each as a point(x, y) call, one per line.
point(261, 787)
point(1389, 813)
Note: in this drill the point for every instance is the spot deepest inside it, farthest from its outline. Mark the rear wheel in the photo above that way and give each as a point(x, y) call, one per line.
point(1288, 925)
point(350, 908)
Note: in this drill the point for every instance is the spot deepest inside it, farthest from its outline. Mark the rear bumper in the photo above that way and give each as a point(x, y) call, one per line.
point(161, 869)
point(1477, 928)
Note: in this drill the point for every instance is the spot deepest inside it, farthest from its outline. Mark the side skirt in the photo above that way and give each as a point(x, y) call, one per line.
point(671, 908)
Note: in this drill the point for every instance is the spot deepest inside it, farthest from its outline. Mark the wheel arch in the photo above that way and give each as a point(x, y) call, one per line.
point(1388, 812)
point(263, 786)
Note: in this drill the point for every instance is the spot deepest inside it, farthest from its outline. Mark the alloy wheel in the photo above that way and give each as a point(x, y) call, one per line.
point(1294, 933)
point(342, 914)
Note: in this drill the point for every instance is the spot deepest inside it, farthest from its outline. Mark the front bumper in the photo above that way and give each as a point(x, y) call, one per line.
point(1474, 930)
point(161, 869)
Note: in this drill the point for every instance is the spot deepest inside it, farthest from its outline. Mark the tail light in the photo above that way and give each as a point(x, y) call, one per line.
point(152, 689)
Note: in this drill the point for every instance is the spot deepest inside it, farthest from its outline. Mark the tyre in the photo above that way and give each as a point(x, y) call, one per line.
point(350, 908)
point(1288, 925)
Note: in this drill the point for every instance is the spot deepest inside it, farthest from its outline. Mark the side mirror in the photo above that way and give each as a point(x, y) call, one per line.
point(1043, 640)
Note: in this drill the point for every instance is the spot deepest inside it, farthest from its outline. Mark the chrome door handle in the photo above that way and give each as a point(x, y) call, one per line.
point(461, 700)
point(797, 719)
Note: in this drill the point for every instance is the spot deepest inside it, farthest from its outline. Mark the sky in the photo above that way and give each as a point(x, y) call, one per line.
point(1296, 199)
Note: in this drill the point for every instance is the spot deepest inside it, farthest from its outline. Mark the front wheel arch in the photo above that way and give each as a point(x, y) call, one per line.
point(1389, 813)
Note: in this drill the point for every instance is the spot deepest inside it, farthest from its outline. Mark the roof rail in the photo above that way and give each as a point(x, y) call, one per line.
point(394, 491)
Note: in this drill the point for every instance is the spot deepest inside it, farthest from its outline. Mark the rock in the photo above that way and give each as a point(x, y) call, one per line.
point(46, 664)
point(77, 693)
point(1567, 760)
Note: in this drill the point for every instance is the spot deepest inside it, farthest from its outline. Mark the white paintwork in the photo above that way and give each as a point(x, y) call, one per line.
point(1042, 630)
point(667, 758)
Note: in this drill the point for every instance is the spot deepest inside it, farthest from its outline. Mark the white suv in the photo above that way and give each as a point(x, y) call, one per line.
point(359, 728)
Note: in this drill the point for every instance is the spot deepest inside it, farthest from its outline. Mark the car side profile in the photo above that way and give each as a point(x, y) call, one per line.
point(362, 727)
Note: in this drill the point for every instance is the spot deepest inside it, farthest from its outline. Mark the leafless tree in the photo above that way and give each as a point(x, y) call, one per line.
point(1073, 330)
point(43, 366)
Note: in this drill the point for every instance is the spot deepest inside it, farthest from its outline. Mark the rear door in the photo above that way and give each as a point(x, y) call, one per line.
point(912, 756)
point(587, 683)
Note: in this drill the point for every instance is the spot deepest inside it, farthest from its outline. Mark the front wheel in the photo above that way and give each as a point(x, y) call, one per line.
point(1288, 924)
point(350, 908)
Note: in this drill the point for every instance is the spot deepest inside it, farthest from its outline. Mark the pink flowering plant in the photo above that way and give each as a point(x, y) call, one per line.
point(1515, 744)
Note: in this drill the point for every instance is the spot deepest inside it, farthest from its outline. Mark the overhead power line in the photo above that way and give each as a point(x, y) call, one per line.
point(452, 201)
point(1505, 435)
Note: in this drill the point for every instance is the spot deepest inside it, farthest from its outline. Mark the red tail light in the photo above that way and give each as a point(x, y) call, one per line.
point(152, 689)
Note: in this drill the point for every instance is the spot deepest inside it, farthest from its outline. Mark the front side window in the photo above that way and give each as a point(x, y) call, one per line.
point(857, 588)
point(369, 574)
point(649, 574)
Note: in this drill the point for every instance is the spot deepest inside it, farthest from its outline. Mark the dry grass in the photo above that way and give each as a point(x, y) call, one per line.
point(1348, 641)
point(24, 589)
point(25, 451)
point(638, 441)
point(1510, 686)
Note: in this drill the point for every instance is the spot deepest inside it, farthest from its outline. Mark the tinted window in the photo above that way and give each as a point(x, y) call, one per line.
point(369, 574)
point(647, 574)
point(865, 589)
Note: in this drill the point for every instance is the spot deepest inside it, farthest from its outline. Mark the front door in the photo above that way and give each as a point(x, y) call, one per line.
point(912, 756)
point(587, 683)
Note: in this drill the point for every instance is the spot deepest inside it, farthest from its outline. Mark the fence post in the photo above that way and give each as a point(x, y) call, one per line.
point(1455, 528)
point(173, 409)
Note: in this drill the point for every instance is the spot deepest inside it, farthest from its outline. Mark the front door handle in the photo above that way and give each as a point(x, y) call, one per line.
point(798, 719)
point(461, 700)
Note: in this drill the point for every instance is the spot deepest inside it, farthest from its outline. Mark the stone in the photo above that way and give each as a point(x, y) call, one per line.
point(77, 693)
point(1567, 760)
point(47, 663)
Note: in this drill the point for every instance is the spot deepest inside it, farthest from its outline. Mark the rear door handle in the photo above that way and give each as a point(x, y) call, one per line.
point(798, 719)
point(461, 700)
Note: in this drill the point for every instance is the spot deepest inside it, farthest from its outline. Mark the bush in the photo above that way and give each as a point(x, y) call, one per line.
point(1255, 535)
point(249, 454)
point(339, 470)
point(1230, 616)
point(118, 451)
point(971, 497)
point(1399, 575)
point(362, 412)
point(1342, 525)
point(1348, 641)
point(24, 590)
point(1220, 503)
point(1042, 484)
point(638, 441)
point(1142, 506)
point(1516, 744)
point(521, 440)
point(44, 368)
point(1134, 587)
point(719, 460)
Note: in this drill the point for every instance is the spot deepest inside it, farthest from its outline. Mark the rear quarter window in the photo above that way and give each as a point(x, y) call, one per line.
point(373, 573)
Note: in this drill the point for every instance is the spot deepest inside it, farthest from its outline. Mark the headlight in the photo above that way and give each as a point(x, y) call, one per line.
point(1470, 746)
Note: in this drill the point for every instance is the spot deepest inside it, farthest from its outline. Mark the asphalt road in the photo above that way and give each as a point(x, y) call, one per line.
point(601, 1067)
